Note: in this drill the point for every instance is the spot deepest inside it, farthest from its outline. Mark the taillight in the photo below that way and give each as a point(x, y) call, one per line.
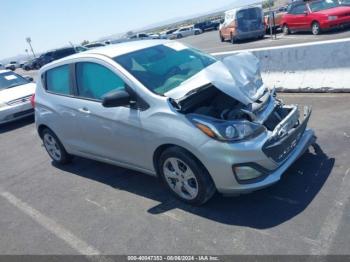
point(32, 100)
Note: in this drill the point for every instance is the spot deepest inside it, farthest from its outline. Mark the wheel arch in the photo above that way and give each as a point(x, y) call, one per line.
point(158, 152)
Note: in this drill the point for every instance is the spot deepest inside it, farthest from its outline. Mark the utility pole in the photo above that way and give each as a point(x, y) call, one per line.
point(271, 17)
point(29, 41)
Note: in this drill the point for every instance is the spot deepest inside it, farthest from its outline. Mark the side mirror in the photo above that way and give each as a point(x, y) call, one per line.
point(29, 78)
point(116, 99)
point(306, 13)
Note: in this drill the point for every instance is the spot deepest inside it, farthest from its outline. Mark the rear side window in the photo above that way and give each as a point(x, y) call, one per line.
point(94, 80)
point(58, 81)
point(298, 9)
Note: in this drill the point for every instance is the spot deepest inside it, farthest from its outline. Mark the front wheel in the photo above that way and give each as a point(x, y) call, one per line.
point(185, 177)
point(55, 148)
point(222, 39)
point(232, 39)
point(315, 28)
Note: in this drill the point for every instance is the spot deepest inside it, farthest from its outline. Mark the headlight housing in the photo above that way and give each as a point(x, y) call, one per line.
point(332, 17)
point(226, 131)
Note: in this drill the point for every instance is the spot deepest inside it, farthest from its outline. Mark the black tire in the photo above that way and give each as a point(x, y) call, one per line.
point(232, 39)
point(179, 36)
point(196, 33)
point(64, 157)
point(285, 30)
point(316, 28)
point(222, 39)
point(204, 185)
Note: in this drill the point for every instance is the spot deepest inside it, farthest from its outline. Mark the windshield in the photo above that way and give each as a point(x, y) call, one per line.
point(164, 67)
point(10, 79)
point(323, 5)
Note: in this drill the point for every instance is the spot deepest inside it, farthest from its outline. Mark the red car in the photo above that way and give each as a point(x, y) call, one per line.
point(315, 16)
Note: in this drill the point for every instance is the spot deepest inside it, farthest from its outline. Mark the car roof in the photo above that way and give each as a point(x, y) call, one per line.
point(121, 48)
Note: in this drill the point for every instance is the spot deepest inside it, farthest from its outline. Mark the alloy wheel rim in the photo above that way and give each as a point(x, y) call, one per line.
point(315, 29)
point(180, 178)
point(52, 147)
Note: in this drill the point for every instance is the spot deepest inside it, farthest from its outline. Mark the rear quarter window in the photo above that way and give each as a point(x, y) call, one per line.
point(58, 80)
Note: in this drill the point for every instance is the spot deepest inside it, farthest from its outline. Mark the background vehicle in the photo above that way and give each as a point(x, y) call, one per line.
point(15, 94)
point(171, 111)
point(1, 66)
point(31, 64)
point(243, 23)
point(167, 34)
point(94, 45)
point(186, 31)
point(12, 65)
point(315, 16)
point(56, 54)
point(208, 25)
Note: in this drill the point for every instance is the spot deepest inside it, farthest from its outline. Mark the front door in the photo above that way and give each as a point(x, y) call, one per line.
point(111, 133)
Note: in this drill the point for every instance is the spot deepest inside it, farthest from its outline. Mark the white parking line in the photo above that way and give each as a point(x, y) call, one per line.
point(285, 46)
point(58, 230)
point(330, 226)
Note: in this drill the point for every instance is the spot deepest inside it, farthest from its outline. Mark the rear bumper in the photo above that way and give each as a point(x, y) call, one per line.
point(248, 35)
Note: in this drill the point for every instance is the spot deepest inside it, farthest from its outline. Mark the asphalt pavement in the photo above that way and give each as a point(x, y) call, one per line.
point(93, 208)
point(210, 42)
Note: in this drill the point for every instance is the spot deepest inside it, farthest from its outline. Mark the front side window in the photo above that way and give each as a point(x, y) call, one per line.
point(94, 80)
point(323, 5)
point(162, 68)
point(58, 80)
point(299, 9)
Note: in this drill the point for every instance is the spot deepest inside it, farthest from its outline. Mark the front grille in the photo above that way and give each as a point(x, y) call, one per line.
point(19, 101)
point(280, 149)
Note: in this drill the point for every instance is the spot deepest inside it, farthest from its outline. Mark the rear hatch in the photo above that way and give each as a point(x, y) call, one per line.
point(250, 19)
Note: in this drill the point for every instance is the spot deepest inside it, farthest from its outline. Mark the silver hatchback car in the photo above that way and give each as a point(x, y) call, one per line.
point(160, 107)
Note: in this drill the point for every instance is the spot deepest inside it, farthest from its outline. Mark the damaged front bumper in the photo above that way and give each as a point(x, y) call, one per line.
point(263, 160)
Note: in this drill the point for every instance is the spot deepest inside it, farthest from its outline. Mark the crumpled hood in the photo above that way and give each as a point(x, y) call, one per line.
point(13, 93)
point(237, 76)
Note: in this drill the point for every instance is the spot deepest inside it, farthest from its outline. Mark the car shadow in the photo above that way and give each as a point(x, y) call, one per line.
point(8, 127)
point(262, 209)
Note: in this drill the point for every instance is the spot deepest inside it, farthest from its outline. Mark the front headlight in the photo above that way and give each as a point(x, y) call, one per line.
point(229, 131)
point(332, 17)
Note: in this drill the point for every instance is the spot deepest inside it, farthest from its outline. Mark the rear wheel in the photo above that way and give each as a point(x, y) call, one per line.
point(179, 36)
point(222, 39)
point(286, 30)
point(232, 39)
point(55, 148)
point(185, 177)
point(316, 28)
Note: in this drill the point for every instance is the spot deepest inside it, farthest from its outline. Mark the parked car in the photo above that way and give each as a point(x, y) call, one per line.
point(345, 2)
point(185, 31)
point(56, 54)
point(94, 45)
point(140, 36)
point(243, 23)
point(315, 16)
point(13, 65)
point(15, 94)
point(167, 34)
point(208, 25)
point(32, 64)
point(1, 66)
point(160, 107)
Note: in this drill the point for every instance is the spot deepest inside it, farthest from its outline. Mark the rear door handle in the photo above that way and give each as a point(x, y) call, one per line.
point(84, 110)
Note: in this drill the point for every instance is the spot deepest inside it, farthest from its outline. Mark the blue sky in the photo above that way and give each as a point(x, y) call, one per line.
point(53, 23)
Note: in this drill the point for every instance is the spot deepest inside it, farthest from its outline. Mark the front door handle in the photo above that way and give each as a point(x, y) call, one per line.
point(84, 110)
